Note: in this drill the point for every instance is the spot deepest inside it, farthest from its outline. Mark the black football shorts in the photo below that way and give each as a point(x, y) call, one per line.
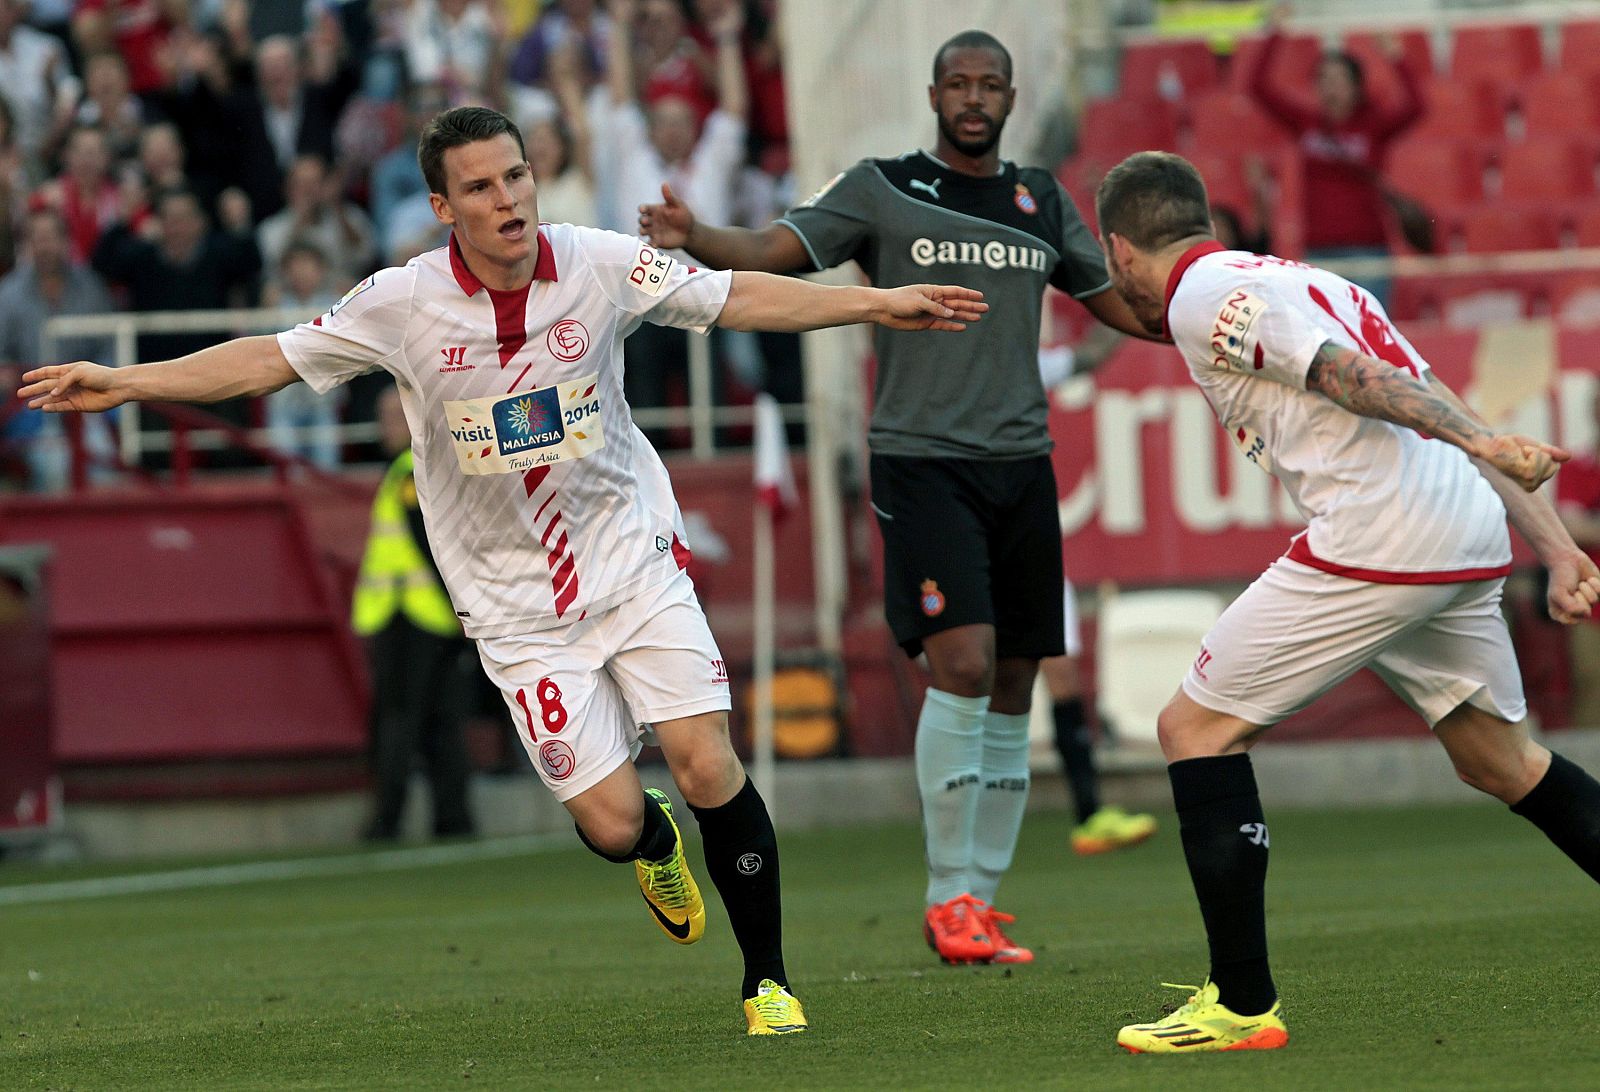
point(969, 542)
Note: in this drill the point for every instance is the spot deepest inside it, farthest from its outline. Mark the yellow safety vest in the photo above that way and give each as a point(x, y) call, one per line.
point(394, 573)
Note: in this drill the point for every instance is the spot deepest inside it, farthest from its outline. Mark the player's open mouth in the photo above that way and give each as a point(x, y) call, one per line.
point(972, 125)
point(514, 229)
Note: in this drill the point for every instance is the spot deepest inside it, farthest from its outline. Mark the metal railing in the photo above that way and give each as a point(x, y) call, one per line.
point(700, 417)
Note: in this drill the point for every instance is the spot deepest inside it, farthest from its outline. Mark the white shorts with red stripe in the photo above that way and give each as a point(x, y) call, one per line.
point(1297, 632)
point(583, 695)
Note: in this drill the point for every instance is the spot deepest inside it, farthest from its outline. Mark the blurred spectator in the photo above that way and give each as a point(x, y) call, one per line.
point(141, 30)
point(668, 62)
point(47, 283)
point(109, 105)
point(301, 421)
point(246, 111)
point(35, 77)
point(315, 211)
point(300, 103)
point(161, 157)
point(1343, 139)
point(456, 44)
point(671, 147)
point(642, 155)
point(402, 215)
point(85, 194)
point(763, 70)
point(184, 265)
point(14, 186)
point(560, 147)
point(565, 25)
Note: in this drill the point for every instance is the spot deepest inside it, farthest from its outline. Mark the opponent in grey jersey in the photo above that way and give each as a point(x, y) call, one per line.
point(961, 479)
point(1009, 234)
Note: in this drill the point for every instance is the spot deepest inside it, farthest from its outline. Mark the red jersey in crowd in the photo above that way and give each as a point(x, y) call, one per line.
point(140, 29)
point(1343, 192)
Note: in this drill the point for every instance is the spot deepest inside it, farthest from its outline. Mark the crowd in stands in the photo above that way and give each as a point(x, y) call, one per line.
point(166, 155)
point(1477, 139)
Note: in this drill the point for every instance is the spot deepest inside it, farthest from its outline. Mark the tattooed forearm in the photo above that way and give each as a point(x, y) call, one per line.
point(1376, 388)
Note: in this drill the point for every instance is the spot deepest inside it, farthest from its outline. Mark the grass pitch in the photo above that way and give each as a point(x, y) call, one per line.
point(1438, 949)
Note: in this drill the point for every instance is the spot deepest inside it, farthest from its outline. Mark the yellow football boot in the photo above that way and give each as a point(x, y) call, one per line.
point(774, 1010)
point(1111, 828)
point(1205, 1024)
point(669, 890)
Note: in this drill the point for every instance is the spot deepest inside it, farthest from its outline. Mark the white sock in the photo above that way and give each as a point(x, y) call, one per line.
point(1002, 799)
point(949, 749)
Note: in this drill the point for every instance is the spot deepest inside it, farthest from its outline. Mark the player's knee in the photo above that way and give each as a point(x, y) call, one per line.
point(1506, 775)
point(612, 834)
point(967, 671)
point(710, 775)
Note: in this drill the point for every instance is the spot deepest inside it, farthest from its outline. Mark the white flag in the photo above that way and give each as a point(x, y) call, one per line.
point(774, 478)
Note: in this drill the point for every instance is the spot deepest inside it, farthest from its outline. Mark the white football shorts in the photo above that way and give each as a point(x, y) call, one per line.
point(1297, 632)
point(582, 695)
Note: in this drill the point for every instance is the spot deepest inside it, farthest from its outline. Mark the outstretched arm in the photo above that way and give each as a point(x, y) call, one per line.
point(1375, 388)
point(245, 367)
point(761, 301)
point(671, 225)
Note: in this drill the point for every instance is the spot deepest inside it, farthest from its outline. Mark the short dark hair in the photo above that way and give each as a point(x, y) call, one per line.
point(452, 129)
point(972, 39)
point(1153, 199)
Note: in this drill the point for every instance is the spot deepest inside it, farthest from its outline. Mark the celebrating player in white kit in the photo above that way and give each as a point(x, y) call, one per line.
point(551, 518)
point(1406, 493)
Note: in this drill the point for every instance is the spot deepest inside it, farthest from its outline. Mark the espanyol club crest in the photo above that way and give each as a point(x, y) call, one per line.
point(1025, 200)
point(932, 599)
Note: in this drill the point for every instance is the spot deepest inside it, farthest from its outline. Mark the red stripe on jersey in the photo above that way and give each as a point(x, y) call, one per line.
point(317, 321)
point(534, 478)
point(558, 549)
point(543, 506)
point(518, 380)
point(544, 539)
point(510, 320)
point(566, 572)
point(680, 553)
point(1300, 550)
point(564, 600)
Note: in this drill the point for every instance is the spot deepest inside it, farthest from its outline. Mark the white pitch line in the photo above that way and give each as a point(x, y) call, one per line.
point(354, 864)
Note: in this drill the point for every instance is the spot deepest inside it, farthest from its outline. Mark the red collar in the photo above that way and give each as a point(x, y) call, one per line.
point(1185, 260)
point(544, 266)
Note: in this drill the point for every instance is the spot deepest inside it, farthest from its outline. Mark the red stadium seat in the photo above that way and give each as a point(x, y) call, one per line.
point(1226, 183)
point(1295, 66)
point(1560, 102)
point(1229, 122)
point(1114, 128)
point(1585, 226)
point(1493, 228)
point(1503, 53)
point(1147, 66)
point(1546, 168)
point(1580, 48)
point(1438, 171)
point(1378, 69)
point(1460, 109)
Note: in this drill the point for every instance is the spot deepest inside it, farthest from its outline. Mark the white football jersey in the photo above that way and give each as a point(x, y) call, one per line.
point(543, 501)
point(1383, 502)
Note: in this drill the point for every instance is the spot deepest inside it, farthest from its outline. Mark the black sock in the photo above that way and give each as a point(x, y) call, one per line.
point(1225, 843)
point(1077, 757)
point(1565, 804)
point(742, 860)
point(655, 843)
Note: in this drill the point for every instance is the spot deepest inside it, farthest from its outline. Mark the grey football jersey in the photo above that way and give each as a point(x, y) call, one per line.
point(912, 220)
